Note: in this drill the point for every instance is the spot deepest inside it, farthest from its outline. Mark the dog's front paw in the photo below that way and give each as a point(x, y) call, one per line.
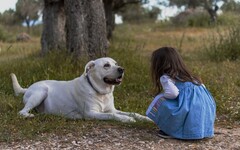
point(128, 119)
point(141, 117)
point(148, 119)
point(26, 114)
point(124, 118)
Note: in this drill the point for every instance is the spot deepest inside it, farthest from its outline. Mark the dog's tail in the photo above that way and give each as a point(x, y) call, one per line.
point(16, 87)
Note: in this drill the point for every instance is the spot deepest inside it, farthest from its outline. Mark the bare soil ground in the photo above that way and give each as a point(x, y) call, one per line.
point(112, 138)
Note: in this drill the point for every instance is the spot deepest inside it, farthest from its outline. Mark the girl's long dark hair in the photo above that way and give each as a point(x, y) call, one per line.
point(167, 60)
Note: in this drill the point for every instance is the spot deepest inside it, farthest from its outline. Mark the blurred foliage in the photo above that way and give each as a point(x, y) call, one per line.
point(29, 11)
point(231, 6)
point(136, 13)
point(200, 18)
point(225, 45)
point(191, 19)
point(9, 17)
point(228, 19)
point(5, 36)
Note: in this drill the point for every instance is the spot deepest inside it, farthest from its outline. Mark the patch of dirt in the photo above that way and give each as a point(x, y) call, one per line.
point(112, 138)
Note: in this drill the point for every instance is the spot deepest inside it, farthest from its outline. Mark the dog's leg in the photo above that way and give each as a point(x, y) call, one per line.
point(134, 115)
point(109, 116)
point(33, 100)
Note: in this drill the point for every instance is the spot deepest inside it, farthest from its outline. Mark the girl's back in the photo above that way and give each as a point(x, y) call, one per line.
point(189, 116)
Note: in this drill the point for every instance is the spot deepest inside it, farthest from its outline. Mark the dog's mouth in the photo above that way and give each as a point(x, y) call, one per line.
point(115, 81)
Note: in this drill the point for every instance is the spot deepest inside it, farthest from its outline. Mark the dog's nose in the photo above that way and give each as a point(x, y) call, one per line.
point(120, 70)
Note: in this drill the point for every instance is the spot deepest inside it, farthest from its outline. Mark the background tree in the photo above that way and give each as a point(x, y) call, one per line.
point(209, 5)
point(86, 33)
point(78, 26)
point(153, 13)
point(9, 17)
point(232, 6)
point(28, 10)
point(81, 27)
point(53, 34)
point(133, 13)
point(112, 7)
point(136, 13)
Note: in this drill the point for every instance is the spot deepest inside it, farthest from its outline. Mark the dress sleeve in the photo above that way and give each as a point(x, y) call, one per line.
point(170, 91)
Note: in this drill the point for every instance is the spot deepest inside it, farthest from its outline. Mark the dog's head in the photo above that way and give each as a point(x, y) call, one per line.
point(104, 73)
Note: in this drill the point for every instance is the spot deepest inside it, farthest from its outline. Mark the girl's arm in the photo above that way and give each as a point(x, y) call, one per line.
point(170, 91)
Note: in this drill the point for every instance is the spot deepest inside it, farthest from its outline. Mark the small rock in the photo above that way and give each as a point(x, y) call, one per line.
point(23, 37)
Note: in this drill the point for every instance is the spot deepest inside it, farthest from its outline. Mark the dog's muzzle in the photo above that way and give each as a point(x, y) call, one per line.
point(117, 80)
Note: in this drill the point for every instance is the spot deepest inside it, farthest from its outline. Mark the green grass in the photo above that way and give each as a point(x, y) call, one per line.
point(131, 47)
point(30, 67)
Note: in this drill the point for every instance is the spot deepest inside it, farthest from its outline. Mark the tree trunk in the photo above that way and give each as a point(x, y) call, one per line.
point(110, 17)
point(213, 14)
point(53, 35)
point(211, 11)
point(110, 8)
point(86, 33)
point(27, 21)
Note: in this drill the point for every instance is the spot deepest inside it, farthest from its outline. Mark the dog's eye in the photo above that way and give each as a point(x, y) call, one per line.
point(107, 66)
point(116, 64)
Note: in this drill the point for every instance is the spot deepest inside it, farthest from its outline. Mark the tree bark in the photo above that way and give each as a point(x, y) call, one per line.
point(110, 17)
point(110, 8)
point(86, 33)
point(53, 35)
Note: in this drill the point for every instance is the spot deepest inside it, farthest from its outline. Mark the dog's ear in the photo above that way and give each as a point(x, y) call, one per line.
point(89, 66)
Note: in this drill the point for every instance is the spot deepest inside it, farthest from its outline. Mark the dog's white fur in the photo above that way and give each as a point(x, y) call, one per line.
point(78, 98)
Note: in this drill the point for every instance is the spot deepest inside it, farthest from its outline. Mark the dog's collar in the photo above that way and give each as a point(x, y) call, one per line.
point(90, 83)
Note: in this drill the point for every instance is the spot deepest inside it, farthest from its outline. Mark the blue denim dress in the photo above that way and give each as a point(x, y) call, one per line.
point(189, 116)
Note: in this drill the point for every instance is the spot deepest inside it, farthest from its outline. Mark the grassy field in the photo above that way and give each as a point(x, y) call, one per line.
point(131, 46)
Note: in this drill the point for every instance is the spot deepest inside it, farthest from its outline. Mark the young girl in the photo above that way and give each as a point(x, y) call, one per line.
point(184, 109)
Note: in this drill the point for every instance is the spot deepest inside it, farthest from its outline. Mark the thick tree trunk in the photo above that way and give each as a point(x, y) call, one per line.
point(53, 35)
point(86, 33)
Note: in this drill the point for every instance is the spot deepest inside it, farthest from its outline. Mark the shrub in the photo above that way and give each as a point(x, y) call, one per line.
point(3, 35)
point(228, 18)
point(192, 18)
point(225, 45)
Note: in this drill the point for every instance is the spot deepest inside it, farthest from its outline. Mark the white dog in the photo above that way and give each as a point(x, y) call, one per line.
point(89, 96)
